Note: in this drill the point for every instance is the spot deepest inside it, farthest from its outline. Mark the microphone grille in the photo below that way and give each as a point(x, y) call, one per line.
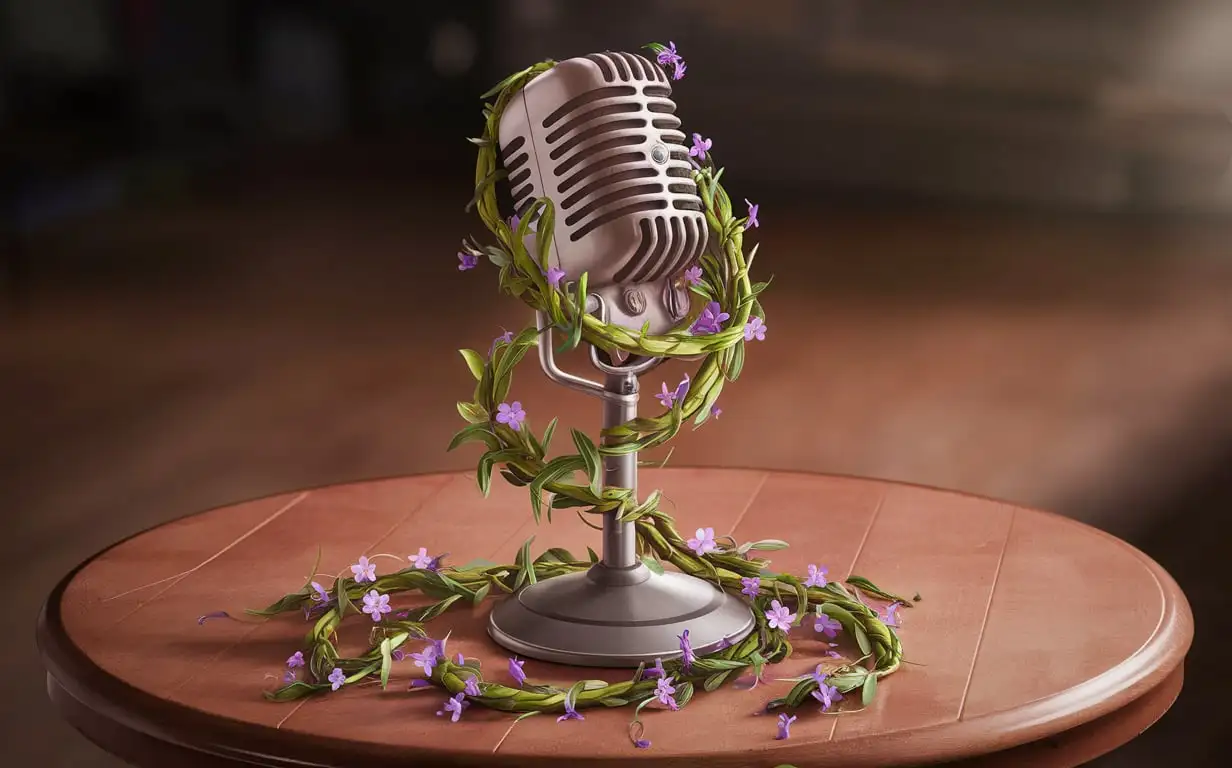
point(599, 136)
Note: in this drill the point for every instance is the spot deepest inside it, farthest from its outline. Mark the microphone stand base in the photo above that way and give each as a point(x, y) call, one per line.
point(608, 617)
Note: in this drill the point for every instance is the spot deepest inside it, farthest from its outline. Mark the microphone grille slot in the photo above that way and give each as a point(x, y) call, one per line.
point(617, 65)
point(628, 210)
point(582, 100)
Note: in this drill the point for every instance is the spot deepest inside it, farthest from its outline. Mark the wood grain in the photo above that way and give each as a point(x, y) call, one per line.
point(996, 666)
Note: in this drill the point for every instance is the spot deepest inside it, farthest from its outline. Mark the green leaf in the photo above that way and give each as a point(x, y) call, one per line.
point(762, 545)
point(473, 412)
point(386, 661)
point(684, 692)
point(296, 690)
point(488, 181)
point(526, 566)
point(552, 471)
point(869, 588)
point(481, 593)
point(800, 692)
point(590, 455)
point(547, 435)
point(544, 233)
point(869, 690)
point(437, 608)
point(592, 556)
point(474, 362)
point(471, 432)
point(714, 681)
point(653, 564)
point(735, 362)
point(483, 473)
point(862, 638)
point(477, 563)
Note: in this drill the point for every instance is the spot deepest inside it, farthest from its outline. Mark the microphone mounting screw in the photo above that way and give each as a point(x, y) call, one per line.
point(659, 154)
point(634, 301)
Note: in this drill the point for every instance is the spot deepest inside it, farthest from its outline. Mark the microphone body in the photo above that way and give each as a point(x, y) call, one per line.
point(598, 136)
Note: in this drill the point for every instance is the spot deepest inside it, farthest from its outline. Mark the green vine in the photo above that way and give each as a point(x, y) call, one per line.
point(522, 458)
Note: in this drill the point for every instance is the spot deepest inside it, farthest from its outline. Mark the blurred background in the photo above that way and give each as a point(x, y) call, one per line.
point(1001, 235)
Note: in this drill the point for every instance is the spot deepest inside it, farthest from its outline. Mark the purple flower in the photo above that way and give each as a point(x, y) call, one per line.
point(752, 223)
point(779, 616)
point(826, 694)
point(755, 328)
point(318, 599)
point(296, 660)
point(725, 643)
point(438, 646)
point(751, 586)
point(785, 726)
point(515, 670)
point(511, 414)
point(890, 617)
point(459, 659)
point(435, 563)
point(687, 656)
point(467, 261)
point(694, 275)
point(455, 706)
point(642, 743)
point(666, 397)
point(678, 72)
point(421, 559)
point(337, 678)
point(554, 276)
point(319, 594)
point(427, 659)
point(703, 542)
point(514, 220)
point(700, 147)
point(663, 692)
point(833, 653)
point(827, 625)
point(210, 616)
point(571, 712)
point(710, 320)
point(376, 604)
point(364, 570)
point(668, 56)
point(419, 682)
point(657, 670)
point(472, 686)
point(816, 576)
point(398, 654)
point(289, 677)
point(505, 338)
point(716, 411)
point(682, 389)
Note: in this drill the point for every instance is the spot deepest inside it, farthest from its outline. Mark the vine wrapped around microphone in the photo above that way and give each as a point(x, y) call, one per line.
point(777, 601)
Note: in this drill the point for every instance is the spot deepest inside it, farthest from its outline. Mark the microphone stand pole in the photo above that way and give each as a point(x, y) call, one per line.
point(619, 539)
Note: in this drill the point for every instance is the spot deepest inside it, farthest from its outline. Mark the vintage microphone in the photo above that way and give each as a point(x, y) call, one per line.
point(598, 136)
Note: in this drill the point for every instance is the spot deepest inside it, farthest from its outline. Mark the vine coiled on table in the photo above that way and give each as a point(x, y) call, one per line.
point(725, 289)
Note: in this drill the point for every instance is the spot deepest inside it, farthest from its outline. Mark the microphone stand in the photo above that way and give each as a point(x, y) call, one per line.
point(618, 613)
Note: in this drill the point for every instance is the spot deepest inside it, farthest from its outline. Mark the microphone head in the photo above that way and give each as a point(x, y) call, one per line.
point(598, 136)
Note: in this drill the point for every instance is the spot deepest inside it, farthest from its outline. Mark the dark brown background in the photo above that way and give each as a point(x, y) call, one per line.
point(999, 237)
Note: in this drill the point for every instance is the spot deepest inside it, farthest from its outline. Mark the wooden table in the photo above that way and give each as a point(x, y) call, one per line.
point(1038, 641)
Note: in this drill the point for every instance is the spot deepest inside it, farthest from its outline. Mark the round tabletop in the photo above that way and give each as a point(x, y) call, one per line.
point(1037, 641)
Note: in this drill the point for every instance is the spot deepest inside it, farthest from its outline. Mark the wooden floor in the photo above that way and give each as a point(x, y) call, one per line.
point(291, 338)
